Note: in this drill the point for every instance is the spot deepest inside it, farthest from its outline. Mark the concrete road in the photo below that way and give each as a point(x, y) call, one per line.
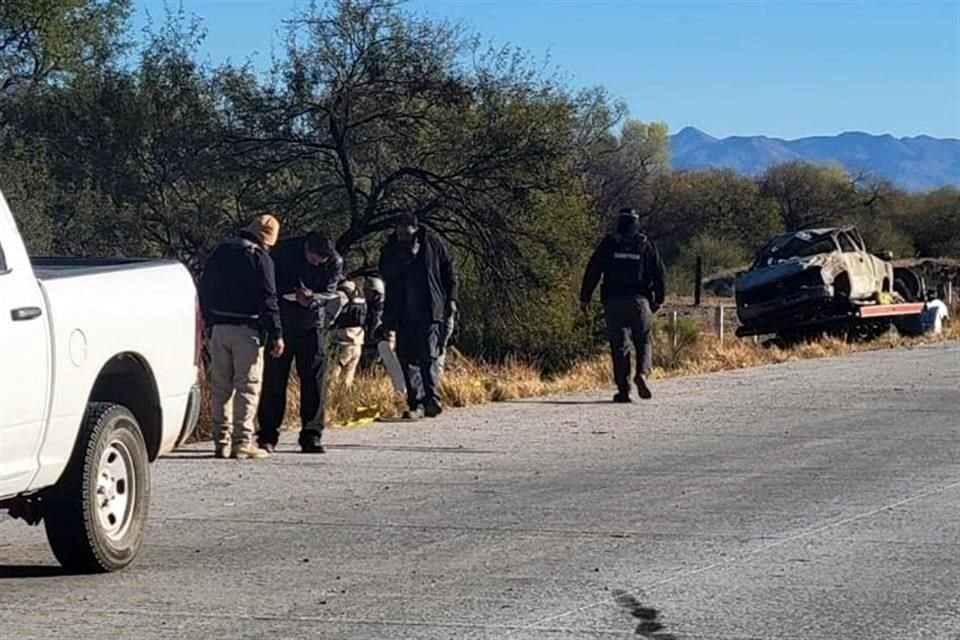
point(814, 500)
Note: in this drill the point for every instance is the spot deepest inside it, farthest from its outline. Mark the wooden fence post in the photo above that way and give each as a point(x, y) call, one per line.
point(718, 322)
point(673, 324)
point(698, 282)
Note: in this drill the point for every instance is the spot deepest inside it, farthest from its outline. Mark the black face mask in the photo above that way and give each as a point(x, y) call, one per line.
point(627, 227)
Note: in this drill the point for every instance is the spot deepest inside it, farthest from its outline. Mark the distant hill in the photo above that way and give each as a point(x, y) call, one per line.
point(915, 164)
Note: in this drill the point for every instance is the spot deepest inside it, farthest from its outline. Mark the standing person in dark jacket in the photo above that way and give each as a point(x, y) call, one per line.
point(308, 271)
point(633, 289)
point(238, 300)
point(421, 294)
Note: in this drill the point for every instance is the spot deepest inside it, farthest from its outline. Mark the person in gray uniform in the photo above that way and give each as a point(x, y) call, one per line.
point(632, 290)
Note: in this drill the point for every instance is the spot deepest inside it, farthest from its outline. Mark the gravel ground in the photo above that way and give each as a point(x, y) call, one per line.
point(812, 500)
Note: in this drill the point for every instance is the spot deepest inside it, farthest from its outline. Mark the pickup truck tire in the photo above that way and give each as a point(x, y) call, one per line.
point(96, 514)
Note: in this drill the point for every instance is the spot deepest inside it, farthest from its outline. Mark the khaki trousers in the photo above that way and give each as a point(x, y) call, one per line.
point(349, 348)
point(236, 374)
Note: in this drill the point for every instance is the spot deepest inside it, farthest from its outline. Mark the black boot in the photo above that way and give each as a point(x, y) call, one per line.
point(642, 389)
point(310, 442)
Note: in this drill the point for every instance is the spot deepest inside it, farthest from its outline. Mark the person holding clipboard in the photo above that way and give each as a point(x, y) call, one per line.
point(308, 270)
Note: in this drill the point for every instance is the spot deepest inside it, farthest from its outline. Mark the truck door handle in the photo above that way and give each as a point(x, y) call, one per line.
point(25, 313)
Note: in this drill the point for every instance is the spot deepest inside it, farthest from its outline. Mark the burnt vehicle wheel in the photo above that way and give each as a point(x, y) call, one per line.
point(861, 332)
point(868, 330)
point(841, 289)
point(908, 285)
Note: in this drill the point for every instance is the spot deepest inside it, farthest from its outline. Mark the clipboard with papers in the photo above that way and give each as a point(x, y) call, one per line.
point(320, 297)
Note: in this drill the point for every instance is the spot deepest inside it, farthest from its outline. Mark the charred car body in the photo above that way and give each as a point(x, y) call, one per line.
point(802, 277)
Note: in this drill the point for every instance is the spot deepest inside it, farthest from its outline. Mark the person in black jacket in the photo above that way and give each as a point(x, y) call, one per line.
point(308, 271)
point(238, 300)
point(633, 289)
point(421, 292)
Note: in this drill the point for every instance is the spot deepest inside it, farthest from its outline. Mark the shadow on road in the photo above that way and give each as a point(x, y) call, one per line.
point(417, 449)
point(12, 572)
point(560, 402)
point(189, 455)
point(649, 625)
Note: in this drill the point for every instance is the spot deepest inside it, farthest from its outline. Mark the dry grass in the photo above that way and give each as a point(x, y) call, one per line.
point(952, 330)
point(469, 383)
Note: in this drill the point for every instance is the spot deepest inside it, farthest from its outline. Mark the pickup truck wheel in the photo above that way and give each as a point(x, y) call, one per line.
point(96, 514)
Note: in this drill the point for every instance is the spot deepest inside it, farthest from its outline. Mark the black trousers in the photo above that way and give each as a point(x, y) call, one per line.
point(369, 357)
point(308, 350)
point(629, 320)
point(418, 348)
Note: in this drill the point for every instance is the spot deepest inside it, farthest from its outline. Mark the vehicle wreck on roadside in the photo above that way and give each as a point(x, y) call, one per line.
point(813, 276)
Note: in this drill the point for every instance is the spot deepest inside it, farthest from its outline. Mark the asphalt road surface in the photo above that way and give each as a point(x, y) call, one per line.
point(813, 500)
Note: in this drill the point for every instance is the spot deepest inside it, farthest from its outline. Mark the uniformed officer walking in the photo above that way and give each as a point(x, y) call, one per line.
point(633, 289)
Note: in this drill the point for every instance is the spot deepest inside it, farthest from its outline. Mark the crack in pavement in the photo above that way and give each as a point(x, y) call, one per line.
point(639, 591)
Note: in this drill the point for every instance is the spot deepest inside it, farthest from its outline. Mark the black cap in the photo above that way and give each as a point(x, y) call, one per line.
point(627, 212)
point(321, 244)
point(407, 220)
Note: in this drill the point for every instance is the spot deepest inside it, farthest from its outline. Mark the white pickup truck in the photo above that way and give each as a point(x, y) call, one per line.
point(98, 377)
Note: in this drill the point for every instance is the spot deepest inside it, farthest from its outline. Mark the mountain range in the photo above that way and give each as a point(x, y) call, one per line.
point(916, 164)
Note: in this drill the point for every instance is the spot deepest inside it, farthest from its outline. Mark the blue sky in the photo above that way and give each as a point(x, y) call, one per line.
point(784, 69)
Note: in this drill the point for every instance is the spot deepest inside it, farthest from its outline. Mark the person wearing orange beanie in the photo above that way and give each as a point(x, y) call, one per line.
point(238, 299)
point(266, 229)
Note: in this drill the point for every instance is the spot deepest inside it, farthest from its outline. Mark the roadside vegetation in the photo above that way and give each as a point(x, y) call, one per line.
point(116, 142)
point(468, 382)
point(120, 143)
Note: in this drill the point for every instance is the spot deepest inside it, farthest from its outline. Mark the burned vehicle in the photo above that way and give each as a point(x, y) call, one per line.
point(802, 277)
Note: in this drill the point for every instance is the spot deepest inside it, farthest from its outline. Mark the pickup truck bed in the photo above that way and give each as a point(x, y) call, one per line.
point(48, 267)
